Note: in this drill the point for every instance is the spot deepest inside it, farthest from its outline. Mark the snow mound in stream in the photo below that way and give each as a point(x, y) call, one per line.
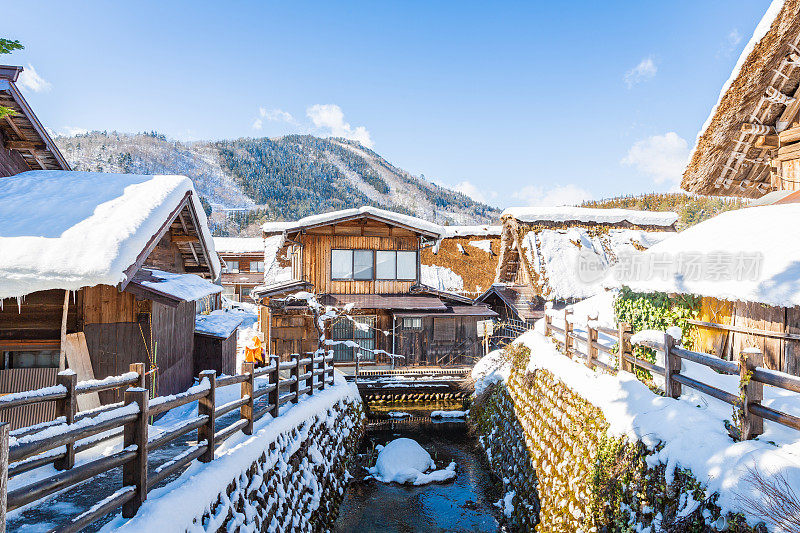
point(404, 461)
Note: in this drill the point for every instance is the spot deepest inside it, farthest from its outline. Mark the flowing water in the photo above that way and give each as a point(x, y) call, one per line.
point(462, 504)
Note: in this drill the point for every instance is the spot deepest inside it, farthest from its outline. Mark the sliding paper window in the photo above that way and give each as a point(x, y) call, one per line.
point(361, 331)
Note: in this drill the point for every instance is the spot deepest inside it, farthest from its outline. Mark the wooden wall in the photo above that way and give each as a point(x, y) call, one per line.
point(24, 379)
point(166, 256)
point(211, 353)
point(291, 332)
point(38, 317)
point(11, 162)
point(439, 338)
point(316, 262)
point(173, 337)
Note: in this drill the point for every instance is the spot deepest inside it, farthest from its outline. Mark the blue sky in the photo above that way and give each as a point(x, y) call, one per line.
point(514, 103)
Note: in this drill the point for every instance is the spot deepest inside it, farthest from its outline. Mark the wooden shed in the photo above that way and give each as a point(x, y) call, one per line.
point(115, 279)
point(367, 260)
point(215, 336)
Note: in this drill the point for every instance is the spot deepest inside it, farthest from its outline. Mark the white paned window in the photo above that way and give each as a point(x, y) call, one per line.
point(256, 266)
point(231, 267)
point(342, 264)
point(406, 265)
point(412, 323)
point(386, 264)
point(363, 264)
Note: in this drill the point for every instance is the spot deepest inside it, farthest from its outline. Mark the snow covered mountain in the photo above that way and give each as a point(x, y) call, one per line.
point(282, 178)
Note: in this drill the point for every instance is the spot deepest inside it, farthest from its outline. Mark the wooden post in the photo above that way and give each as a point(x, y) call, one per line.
point(62, 358)
point(67, 408)
point(311, 379)
point(3, 474)
point(751, 392)
point(139, 369)
point(248, 388)
point(548, 321)
point(591, 349)
point(135, 433)
point(205, 406)
point(296, 385)
point(275, 379)
point(672, 367)
point(567, 333)
point(324, 367)
point(624, 347)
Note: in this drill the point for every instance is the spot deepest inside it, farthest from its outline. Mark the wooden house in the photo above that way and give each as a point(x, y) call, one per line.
point(561, 254)
point(98, 271)
point(24, 142)
point(463, 260)
point(242, 265)
point(369, 260)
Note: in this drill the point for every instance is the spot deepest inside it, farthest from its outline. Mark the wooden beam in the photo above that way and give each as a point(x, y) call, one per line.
point(789, 113)
point(191, 245)
point(180, 239)
point(789, 135)
point(15, 128)
point(25, 145)
point(767, 141)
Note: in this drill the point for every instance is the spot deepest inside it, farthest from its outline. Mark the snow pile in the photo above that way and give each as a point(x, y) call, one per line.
point(239, 245)
point(485, 245)
point(471, 231)
point(491, 368)
point(398, 414)
point(325, 218)
point(591, 215)
point(575, 262)
point(220, 323)
point(441, 278)
point(449, 414)
point(67, 230)
point(726, 247)
point(405, 461)
point(187, 287)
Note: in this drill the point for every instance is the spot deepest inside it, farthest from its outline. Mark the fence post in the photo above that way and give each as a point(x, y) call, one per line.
point(324, 366)
point(67, 408)
point(624, 346)
point(310, 366)
point(139, 369)
point(248, 389)
point(567, 333)
point(296, 385)
point(205, 406)
point(3, 474)
point(591, 348)
point(547, 322)
point(275, 379)
point(751, 392)
point(672, 367)
point(135, 433)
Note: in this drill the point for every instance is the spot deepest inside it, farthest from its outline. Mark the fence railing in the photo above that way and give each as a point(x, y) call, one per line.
point(752, 375)
point(56, 442)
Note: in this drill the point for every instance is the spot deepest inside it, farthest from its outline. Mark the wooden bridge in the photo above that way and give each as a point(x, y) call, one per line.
point(417, 384)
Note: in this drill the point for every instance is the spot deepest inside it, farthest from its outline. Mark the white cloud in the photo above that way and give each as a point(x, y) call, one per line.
point(30, 79)
point(734, 37)
point(471, 190)
point(644, 71)
point(276, 115)
point(257, 124)
point(568, 194)
point(330, 117)
point(662, 157)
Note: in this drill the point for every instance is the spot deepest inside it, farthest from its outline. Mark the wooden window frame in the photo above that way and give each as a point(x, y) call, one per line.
point(353, 264)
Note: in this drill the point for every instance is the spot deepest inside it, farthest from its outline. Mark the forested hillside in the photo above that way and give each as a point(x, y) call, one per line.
point(248, 181)
point(691, 209)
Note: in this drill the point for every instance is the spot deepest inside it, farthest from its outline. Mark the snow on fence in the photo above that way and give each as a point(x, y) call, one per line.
point(752, 376)
point(31, 447)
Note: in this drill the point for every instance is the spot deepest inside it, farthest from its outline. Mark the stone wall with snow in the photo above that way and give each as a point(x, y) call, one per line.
point(563, 470)
point(290, 475)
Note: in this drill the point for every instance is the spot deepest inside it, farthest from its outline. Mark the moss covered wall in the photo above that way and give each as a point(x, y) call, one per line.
point(563, 472)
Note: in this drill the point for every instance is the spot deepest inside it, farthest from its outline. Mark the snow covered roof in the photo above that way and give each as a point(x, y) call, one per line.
point(471, 231)
point(762, 66)
point(274, 273)
point(413, 223)
point(728, 245)
point(271, 228)
point(591, 216)
point(68, 230)
point(186, 287)
point(239, 245)
point(220, 323)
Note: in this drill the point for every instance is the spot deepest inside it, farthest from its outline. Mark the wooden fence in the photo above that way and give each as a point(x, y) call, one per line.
point(752, 375)
point(74, 432)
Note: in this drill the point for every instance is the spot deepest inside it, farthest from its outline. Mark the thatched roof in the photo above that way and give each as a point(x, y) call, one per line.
point(726, 160)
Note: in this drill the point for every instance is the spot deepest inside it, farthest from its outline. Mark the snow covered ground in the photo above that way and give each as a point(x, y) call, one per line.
point(691, 427)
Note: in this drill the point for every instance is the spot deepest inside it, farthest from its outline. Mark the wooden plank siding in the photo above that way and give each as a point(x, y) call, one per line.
point(440, 338)
point(25, 379)
point(173, 339)
point(11, 162)
point(37, 316)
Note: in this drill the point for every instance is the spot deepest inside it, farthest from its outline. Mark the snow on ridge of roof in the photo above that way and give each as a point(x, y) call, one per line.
point(740, 233)
point(239, 244)
point(313, 220)
point(187, 287)
point(276, 226)
point(591, 215)
point(68, 230)
point(485, 230)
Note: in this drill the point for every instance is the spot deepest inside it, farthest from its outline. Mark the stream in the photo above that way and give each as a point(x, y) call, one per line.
point(462, 504)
